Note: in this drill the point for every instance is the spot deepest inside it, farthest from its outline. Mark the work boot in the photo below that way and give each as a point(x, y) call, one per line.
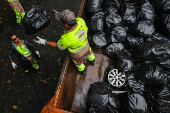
point(83, 72)
point(92, 62)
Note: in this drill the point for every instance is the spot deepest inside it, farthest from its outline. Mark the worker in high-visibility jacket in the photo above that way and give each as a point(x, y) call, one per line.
point(27, 53)
point(18, 9)
point(75, 39)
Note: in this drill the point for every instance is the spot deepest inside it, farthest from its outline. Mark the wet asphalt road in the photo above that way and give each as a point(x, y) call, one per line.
point(28, 94)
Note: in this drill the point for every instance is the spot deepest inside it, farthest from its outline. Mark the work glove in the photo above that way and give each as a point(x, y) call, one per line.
point(37, 52)
point(14, 65)
point(40, 40)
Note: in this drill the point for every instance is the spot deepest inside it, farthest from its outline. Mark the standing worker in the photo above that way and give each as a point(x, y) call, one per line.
point(25, 53)
point(18, 9)
point(74, 38)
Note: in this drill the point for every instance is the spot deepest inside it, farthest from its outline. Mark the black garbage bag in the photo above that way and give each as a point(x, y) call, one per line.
point(118, 34)
point(162, 24)
point(145, 11)
point(111, 6)
point(159, 98)
point(157, 36)
point(136, 85)
point(135, 1)
point(100, 99)
point(107, 34)
point(161, 6)
point(35, 20)
point(94, 6)
point(97, 22)
point(143, 28)
point(123, 61)
point(157, 52)
point(113, 20)
point(117, 102)
point(152, 74)
point(133, 42)
point(98, 40)
point(113, 48)
point(163, 100)
point(128, 13)
point(137, 104)
point(110, 67)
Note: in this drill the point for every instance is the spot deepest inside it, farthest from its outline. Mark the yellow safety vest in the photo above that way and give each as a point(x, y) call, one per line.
point(23, 50)
point(75, 40)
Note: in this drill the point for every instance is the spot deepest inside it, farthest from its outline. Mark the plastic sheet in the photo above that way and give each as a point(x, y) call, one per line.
point(143, 28)
point(128, 13)
point(94, 6)
point(98, 40)
point(123, 61)
point(112, 48)
point(162, 24)
point(97, 22)
point(111, 6)
point(118, 34)
point(113, 20)
point(145, 11)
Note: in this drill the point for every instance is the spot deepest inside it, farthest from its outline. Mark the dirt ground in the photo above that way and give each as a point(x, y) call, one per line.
point(29, 94)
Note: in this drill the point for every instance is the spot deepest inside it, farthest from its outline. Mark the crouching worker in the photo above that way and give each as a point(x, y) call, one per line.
point(18, 9)
point(75, 39)
point(25, 53)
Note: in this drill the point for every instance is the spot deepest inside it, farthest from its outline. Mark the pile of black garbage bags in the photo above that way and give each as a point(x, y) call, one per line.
point(136, 35)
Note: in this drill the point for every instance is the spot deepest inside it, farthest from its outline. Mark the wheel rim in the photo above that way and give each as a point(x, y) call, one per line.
point(115, 78)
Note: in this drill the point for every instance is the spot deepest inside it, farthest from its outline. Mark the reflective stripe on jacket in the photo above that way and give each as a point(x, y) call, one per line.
point(11, 0)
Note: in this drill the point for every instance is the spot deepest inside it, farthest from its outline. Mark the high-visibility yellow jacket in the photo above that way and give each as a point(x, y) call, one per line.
point(76, 39)
point(23, 50)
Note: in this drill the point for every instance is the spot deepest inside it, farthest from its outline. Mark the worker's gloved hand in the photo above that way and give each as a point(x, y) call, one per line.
point(40, 40)
point(14, 65)
point(37, 52)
